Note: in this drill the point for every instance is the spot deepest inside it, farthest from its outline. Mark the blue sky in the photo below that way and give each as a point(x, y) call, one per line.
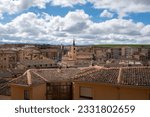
point(86, 21)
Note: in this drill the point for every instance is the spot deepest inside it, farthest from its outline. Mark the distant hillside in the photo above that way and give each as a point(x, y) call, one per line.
point(11, 45)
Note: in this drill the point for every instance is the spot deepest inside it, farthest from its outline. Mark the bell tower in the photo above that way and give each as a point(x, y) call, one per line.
point(73, 42)
point(73, 50)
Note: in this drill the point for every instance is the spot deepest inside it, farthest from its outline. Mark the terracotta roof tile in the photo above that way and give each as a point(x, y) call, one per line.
point(38, 76)
point(139, 76)
point(135, 76)
point(28, 78)
point(100, 75)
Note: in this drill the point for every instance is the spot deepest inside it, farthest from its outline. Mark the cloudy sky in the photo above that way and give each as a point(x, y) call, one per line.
point(86, 21)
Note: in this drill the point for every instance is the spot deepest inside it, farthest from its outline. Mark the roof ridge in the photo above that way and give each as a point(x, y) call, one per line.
point(18, 77)
point(119, 76)
point(29, 78)
point(40, 76)
point(86, 73)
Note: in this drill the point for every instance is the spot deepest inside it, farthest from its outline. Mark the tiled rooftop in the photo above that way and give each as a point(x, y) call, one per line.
point(85, 70)
point(38, 76)
point(29, 78)
point(4, 87)
point(100, 75)
point(139, 76)
point(5, 74)
point(58, 74)
point(135, 76)
point(6, 77)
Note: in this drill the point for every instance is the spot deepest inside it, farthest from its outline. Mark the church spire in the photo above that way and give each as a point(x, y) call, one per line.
point(73, 42)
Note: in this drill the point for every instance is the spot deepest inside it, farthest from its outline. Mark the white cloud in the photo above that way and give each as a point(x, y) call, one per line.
point(75, 22)
point(14, 6)
point(107, 14)
point(43, 28)
point(123, 6)
point(67, 3)
point(117, 26)
point(146, 30)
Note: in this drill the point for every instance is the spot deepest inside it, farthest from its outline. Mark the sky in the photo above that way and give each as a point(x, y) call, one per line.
point(86, 21)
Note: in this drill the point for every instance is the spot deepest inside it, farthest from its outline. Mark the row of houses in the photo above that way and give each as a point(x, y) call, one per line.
point(81, 83)
point(124, 53)
point(28, 57)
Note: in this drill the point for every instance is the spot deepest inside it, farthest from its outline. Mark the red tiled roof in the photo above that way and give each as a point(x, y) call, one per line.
point(101, 75)
point(135, 76)
point(29, 78)
point(38, 76)
point(132, 76)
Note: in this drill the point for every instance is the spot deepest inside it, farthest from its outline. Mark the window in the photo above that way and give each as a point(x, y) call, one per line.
point(86, 93)
point(26, 95)
point(58, 90)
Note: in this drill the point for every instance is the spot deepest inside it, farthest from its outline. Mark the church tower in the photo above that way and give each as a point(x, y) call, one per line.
point(73, 51)
point(73, 43)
